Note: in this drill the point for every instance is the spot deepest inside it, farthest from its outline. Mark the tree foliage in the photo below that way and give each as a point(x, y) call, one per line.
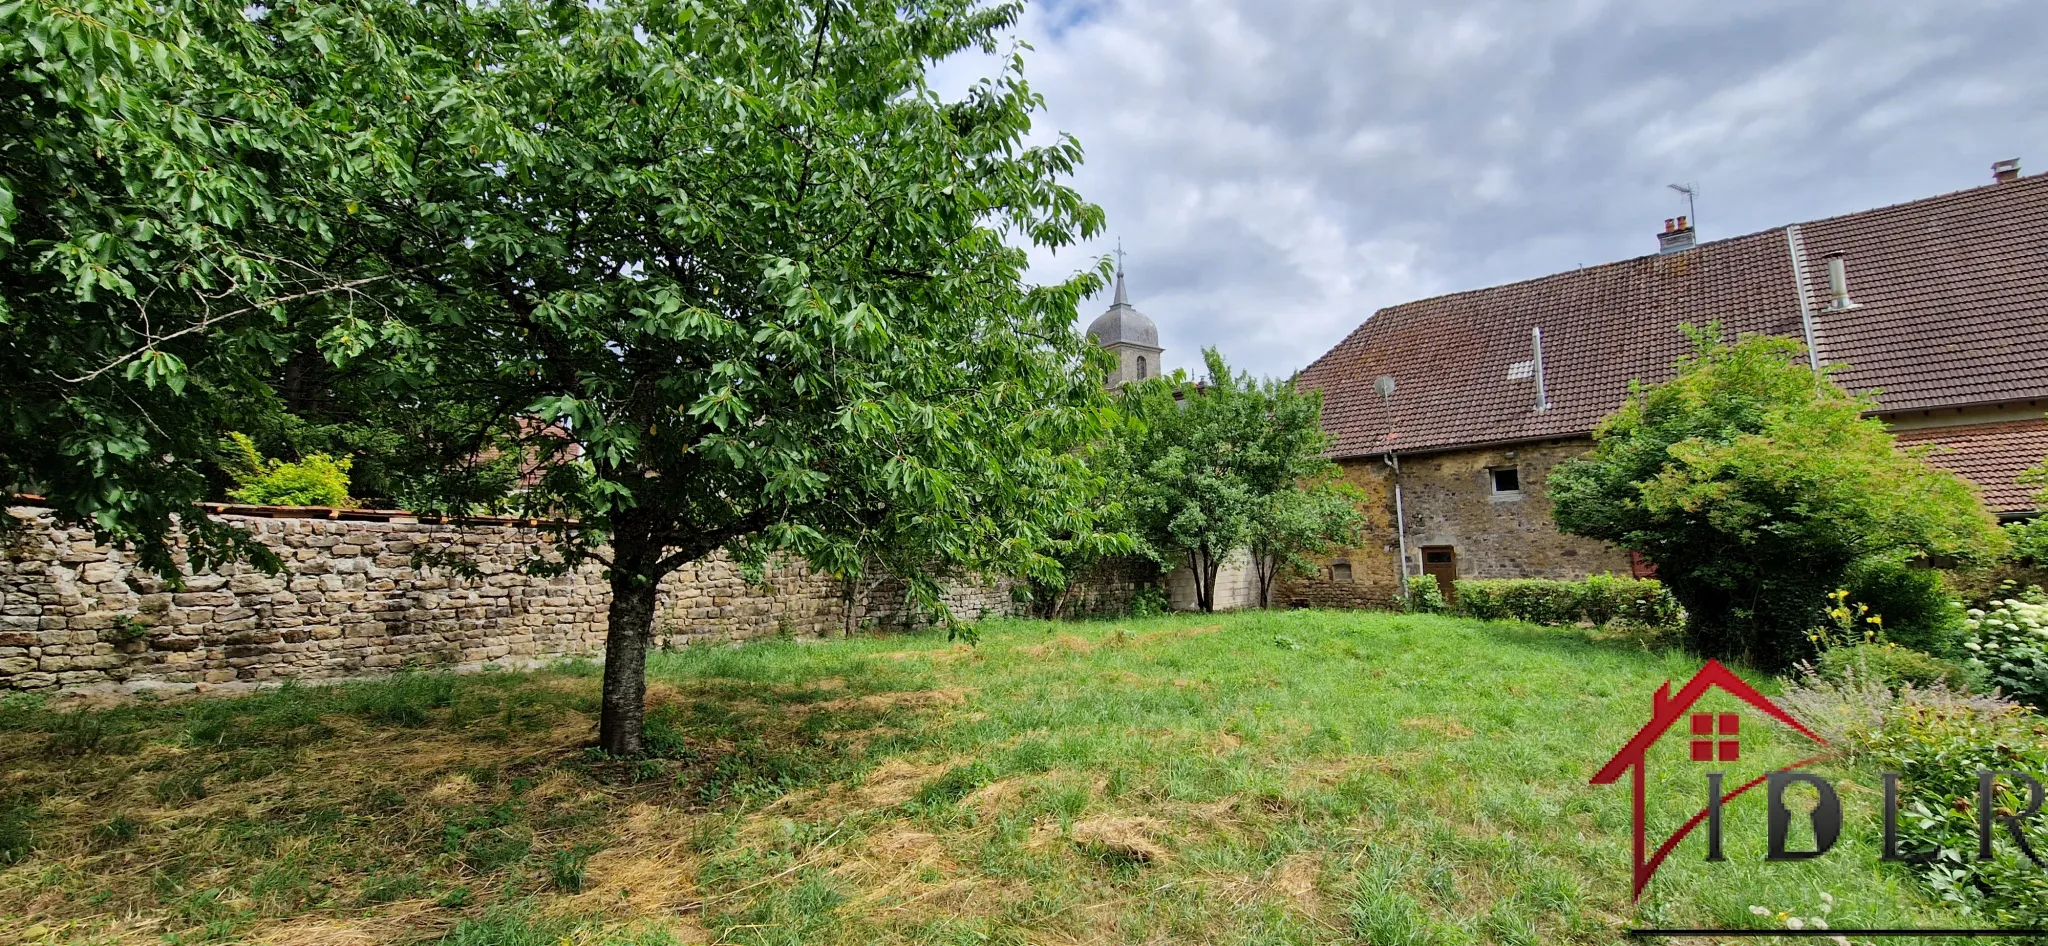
point(313, 480)
point(737, 280)
point(1232, 465)
point(164, 192)
point(727, 271)
point(1756, 485)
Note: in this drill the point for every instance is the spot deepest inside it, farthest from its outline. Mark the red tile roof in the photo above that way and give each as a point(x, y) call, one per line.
point(1951, 298)
point(1991, 455)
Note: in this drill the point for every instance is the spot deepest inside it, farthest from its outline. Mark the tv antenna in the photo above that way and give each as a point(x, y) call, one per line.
point(1691, 191)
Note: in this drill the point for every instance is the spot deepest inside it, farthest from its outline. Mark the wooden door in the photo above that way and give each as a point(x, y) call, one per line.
point(1442, 561)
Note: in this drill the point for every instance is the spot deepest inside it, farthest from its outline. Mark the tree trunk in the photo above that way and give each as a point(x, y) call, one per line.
point(1204, 566)
point(849, 591)
point(1213, 564)
point(1267, 566)
point(631, 628)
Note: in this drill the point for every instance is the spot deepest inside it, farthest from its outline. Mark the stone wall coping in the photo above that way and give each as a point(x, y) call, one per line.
point(334, 513)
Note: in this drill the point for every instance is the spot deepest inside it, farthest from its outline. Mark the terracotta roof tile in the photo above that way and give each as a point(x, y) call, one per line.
point(1991, 455)
point(1952, 308)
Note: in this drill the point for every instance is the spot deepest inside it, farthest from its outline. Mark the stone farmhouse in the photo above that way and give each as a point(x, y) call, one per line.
point(1451, 411)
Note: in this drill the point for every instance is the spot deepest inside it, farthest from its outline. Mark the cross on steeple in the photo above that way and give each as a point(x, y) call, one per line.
point(1121, 298)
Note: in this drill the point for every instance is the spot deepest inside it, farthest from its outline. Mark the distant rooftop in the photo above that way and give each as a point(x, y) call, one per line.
point(1949, 307)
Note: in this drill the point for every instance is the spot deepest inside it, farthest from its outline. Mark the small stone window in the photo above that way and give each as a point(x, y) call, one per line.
point(1506, 479)
point(1340, 571)
point(1141, 367)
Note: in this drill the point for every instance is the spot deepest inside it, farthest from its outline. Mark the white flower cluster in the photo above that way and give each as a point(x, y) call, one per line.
point(2010, 642)
point(1818, 921)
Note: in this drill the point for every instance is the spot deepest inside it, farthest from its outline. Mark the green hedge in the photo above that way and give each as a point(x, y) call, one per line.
point(1601, 600)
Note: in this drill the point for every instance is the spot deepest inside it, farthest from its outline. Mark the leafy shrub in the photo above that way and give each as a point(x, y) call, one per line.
point(1543, 602)
point(1889, 664)
point(1601, 599)
point(1148, 602)
point(1917, 609)
point(2029, 541)
point(315, 480)
point(1481, 599)
point(1939, 751)
point(2010, 644)
point(1426, 596)
point(1757, 485)
point(1938, 739)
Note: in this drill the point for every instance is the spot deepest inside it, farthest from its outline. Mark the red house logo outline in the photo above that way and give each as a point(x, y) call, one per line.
point(1666, 710)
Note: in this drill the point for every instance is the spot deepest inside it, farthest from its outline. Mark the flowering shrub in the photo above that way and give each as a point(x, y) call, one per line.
point(1851, 710)
point(2009, 643)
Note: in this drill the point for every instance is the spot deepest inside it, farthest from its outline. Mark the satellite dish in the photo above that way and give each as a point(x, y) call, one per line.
point(1385, 385)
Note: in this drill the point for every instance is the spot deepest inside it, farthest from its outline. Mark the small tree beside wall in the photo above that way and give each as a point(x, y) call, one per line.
point(1233, 465)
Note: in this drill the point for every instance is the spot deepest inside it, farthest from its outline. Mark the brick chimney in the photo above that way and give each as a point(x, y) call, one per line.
point(1677, 235)
point(2006, 171)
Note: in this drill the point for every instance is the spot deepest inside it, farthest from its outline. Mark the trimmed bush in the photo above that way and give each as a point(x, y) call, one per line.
point(1600, 600)
point(1426, 595)
point(1544, 602)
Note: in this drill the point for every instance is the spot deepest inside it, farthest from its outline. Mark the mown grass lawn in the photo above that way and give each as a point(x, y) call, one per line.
point(1287, 777)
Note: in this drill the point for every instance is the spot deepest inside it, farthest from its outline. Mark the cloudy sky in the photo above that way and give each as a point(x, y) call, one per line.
point(1279, 169)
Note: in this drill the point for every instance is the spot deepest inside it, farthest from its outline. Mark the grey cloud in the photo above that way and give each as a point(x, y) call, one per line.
point(1278, 169)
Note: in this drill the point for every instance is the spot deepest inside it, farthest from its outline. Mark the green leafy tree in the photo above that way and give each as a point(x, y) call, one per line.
point(171, 177)
point(738, 280)
point(1756, 485)
point(1232, 465)
point(1303, 508)
point(1105, 533)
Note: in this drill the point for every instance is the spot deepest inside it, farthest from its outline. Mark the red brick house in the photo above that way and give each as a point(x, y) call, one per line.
point(1450, 411)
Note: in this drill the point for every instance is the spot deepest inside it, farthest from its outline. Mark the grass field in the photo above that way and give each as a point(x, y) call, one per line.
point(1287, 777)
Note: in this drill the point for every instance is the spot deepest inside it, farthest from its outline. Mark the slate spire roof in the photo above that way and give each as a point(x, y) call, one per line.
point(1951, 309)
point(1122, 324)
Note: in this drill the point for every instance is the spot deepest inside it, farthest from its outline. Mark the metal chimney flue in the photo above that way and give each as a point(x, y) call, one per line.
point(1536, 358)
point(2006, 171)
point(1838, 282)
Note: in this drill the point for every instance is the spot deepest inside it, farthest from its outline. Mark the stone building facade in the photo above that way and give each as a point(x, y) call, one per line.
point(1450, 504)
point(1451, 501)
point(350, 602)
point(1936, 309)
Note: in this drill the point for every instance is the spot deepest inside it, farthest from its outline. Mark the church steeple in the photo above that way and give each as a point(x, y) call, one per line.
point(1126, 331)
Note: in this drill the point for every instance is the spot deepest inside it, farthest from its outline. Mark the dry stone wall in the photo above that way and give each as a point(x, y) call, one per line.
point(350, 602)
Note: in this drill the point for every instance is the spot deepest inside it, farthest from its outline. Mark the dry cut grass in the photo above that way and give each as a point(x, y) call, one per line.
point(1298, 778)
